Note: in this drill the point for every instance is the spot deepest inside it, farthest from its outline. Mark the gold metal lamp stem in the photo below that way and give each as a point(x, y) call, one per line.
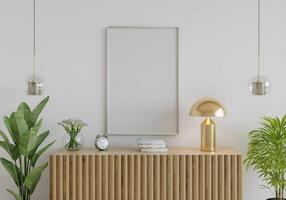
point(208, 138)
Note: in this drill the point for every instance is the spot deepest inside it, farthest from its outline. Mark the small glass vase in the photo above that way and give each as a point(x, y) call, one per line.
point(73, 142)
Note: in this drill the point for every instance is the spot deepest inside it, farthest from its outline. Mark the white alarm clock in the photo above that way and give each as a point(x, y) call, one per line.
point(101, 142)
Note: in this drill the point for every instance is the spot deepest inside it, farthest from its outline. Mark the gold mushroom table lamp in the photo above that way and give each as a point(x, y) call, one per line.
point(208, 107)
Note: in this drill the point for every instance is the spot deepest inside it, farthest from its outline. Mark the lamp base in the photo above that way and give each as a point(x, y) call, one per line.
point(208, 138)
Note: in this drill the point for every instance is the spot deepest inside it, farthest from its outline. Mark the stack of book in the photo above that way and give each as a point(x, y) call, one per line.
point(152, 145)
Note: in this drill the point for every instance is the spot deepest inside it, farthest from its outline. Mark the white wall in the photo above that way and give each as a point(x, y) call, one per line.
point(217, 58)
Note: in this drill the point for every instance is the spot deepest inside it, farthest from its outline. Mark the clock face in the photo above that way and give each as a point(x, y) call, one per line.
point(102, 143)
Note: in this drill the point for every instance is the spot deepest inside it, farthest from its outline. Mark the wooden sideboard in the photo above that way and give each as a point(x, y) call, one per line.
point(126, 174)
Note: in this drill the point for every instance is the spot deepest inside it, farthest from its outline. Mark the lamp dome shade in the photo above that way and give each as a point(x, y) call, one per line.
point(207, 107)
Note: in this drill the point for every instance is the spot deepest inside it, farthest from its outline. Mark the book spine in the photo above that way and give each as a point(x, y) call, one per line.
point(152, 145)
point(150, 141)
point(155, 150)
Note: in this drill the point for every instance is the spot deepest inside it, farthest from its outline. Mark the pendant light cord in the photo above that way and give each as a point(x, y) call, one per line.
point(34, 40)
point(259, 38)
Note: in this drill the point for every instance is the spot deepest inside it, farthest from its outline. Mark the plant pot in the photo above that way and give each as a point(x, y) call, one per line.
point(73, 143)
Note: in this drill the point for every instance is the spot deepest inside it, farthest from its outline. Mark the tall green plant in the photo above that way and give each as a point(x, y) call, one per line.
point(24, 150)
point(267, 153)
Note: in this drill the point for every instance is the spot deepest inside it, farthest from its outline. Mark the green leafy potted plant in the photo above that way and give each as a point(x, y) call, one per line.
point(24, 150)
point(73, 140)
point(267, 153)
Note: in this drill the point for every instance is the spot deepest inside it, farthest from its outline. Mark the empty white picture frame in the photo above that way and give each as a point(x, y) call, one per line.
point(142, 81)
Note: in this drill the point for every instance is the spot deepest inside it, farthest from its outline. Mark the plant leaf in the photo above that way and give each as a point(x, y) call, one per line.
point(39, 153)
point(14, 194)
point(267, 153)
point(37, 111)
point(11, 149)
point(4, 136)
point(33, 178)
point(13, 170)
point(24, 107)
point(27, 142)
point(21, 123)
point(40, 139)
point(27, 113)
point(38, 125)
point(12, 129)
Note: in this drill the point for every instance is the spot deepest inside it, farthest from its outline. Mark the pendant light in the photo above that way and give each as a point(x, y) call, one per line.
point(259, 85)
point(34, 83)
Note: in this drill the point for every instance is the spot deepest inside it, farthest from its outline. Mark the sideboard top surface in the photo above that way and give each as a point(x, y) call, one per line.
point(135, 151)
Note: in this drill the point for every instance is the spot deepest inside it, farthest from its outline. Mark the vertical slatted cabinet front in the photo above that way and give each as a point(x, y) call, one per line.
point(145, 177)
